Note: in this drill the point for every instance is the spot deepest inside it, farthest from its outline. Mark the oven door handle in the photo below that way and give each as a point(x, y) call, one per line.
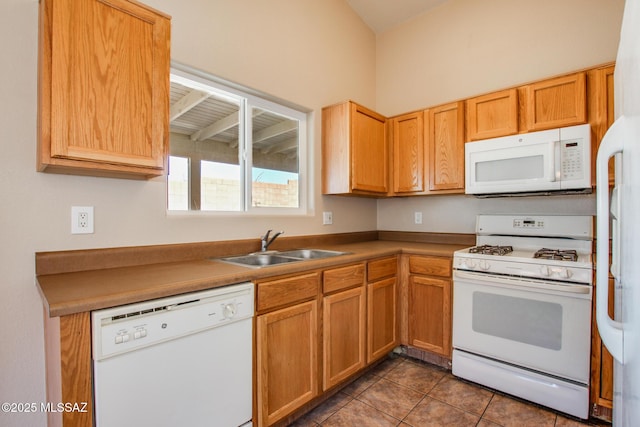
point(493, 280)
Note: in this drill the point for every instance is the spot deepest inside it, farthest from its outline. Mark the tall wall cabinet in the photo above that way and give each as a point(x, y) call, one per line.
point(103, 88)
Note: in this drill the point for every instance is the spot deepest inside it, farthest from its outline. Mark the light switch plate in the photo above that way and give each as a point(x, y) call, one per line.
point(417, 217)
point(327, 218)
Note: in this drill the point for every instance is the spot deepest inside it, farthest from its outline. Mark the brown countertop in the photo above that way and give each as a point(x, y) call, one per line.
point(81, 291)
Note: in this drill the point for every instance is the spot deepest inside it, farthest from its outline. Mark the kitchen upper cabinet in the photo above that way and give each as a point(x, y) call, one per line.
point(354, 151)
point(287, 342)
point(408, 153)
point(556, 102)
point(492, 115)
point(382, 308)
point(445, 141)
point(344, 324)
point(103, 88)
point(430, 304)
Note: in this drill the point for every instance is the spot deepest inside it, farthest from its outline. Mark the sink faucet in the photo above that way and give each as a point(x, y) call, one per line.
point(265, 239)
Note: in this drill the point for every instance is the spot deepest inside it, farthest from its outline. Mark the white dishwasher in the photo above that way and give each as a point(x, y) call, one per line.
point(177, 361)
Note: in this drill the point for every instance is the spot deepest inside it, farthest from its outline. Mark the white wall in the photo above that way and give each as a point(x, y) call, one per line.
point(464, 48)
point(457, 213)
point(312, 53)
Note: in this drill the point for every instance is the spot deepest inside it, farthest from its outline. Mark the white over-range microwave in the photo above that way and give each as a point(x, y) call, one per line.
point(555, 160)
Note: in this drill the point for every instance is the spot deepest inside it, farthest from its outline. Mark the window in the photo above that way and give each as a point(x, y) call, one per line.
point(234, 150)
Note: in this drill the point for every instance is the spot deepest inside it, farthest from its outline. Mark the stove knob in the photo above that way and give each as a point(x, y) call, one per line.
point(469, 263)
point(484, 265)
point(545, 270)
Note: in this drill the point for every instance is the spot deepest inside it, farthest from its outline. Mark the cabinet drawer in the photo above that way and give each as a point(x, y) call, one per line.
point(343, 278)
point(277, 293)
point(431, 266)
point(381, 268)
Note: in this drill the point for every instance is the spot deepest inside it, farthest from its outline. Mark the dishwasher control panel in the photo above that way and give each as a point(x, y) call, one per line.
point(121, 329)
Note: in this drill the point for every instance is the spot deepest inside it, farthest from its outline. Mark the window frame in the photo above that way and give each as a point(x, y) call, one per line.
point(249, 99)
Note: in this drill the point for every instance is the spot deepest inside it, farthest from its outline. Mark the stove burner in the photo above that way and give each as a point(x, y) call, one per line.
point(557, 254)
point(491, 250)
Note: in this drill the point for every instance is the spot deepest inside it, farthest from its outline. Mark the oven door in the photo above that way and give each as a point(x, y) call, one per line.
point(539, 325)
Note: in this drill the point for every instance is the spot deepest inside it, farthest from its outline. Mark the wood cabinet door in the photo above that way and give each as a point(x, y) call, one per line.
point(336, 166)
point(382, 319)
point(104, 86)
point(286, 360)
point(408, 153)
point(430, 314)
point(601, 90)
point(445, 141)
point(492, 115)
point(556, 102)
point(69, 367)
point(601, 367)
point(343, 335)
point(369, 152)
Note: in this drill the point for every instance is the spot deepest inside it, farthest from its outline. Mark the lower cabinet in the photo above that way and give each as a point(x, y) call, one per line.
point(316, 330)
point(286, 346)
point(343, 335)
point(430, 304)
point(601, 367)
point(382, 307)
point(343, 321)
point(69, 367)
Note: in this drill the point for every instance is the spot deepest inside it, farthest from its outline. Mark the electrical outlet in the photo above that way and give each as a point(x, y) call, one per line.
point(81, 219)
point(417, 217)
point(327, 218)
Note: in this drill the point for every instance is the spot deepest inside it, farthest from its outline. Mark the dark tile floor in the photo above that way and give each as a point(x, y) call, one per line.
point(407, 392)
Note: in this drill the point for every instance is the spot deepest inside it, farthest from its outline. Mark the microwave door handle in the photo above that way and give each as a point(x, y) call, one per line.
point(610, 330)
point(553, 148)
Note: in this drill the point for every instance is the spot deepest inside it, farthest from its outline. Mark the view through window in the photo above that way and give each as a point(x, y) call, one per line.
point(234, 151)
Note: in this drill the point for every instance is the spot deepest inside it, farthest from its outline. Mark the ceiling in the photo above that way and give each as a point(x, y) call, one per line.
point(381, 15)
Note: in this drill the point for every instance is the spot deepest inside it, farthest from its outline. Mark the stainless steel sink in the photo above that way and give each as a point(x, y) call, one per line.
point(258, 260)
point(311, 253)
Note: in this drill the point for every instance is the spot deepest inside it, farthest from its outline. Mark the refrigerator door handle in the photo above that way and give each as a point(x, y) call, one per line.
point(610, 330)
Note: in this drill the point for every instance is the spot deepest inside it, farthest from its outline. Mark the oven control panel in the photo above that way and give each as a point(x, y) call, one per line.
point(528, 223)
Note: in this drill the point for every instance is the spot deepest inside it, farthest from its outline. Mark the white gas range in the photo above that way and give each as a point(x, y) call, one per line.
point(522, 308)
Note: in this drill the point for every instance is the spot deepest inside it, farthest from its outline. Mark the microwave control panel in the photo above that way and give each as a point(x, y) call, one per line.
point(572, 160)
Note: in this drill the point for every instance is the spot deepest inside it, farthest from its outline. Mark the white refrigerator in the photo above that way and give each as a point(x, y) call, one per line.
point(618, 214)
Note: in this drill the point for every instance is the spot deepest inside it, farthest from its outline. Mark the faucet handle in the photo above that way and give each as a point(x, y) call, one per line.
point(266, 235)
